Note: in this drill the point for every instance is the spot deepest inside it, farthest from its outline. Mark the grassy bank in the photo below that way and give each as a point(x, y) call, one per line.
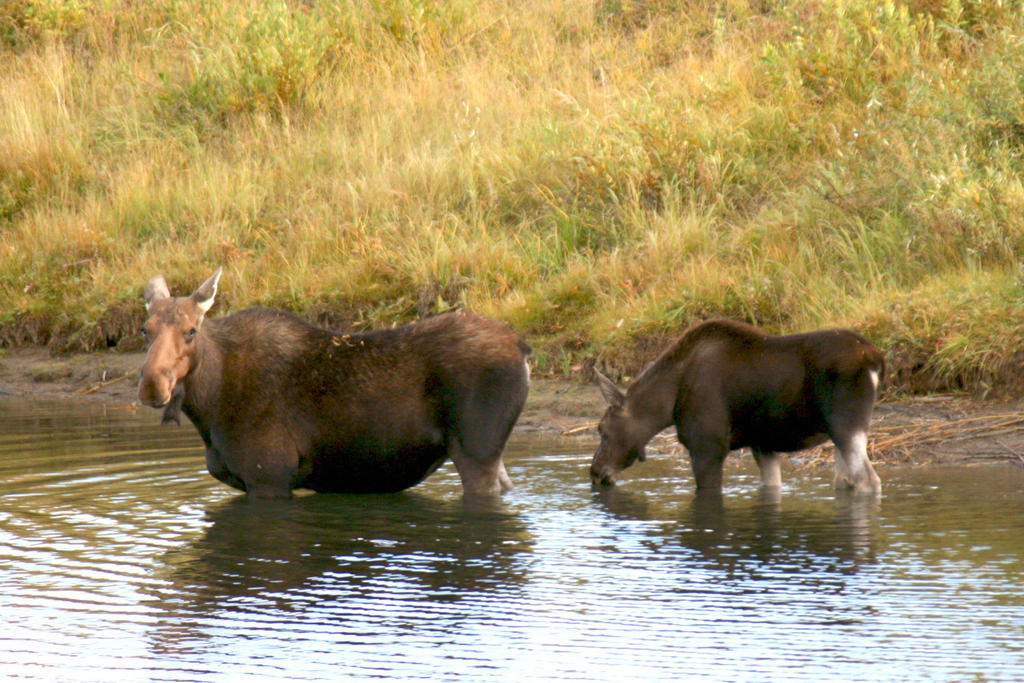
point(599, 174)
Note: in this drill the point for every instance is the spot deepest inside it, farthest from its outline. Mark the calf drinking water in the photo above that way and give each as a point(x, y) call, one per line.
point(725, 385)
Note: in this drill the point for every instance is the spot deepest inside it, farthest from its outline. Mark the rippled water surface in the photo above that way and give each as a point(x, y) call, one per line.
point(121, 559)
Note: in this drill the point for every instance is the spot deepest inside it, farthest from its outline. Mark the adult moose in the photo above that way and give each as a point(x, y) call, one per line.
point(283, 404)
point(726, 385)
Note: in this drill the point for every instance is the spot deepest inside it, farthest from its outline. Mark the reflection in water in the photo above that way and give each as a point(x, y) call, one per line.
point(360, 566)
point(121, 559)
point(250, 546)
point(767, 533)
point(764, 529)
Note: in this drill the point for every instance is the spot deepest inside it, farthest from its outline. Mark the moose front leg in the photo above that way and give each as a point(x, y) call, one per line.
point(270, 466)
point(708, 447)
point(216, 467)
point(707, 470)
point(263, 466)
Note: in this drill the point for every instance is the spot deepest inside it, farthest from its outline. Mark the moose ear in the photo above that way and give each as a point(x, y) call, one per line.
point(203, 296)
point(155, 289)
point(611, 393)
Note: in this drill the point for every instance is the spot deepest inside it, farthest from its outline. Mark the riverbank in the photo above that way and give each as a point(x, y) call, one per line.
point(598, 175)
point(921, 430)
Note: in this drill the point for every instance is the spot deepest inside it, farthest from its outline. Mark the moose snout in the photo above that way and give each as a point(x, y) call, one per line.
point(155, 389)
point(601, 477)
point(147, 398)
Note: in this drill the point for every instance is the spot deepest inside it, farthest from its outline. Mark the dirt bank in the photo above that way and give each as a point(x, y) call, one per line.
point(919, 430)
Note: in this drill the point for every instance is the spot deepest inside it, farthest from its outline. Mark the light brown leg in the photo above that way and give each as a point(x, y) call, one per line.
point(488, 479)
point(853, 470)
point(771, 468)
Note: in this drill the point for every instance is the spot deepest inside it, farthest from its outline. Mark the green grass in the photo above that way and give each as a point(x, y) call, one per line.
point(599, 174)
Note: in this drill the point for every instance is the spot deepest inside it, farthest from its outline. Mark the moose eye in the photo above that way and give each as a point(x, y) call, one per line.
point(144, 333)
point(190, 335)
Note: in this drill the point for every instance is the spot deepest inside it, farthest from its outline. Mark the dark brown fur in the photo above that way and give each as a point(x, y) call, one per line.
point(283, 404)
point(725, 385)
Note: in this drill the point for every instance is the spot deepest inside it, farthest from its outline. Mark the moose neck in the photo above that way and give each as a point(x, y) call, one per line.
point(651, 399)
point(203, 381)
point(652, 396)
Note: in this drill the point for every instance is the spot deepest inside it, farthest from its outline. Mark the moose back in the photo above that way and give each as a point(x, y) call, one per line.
point(282, 404)
point(726, 385)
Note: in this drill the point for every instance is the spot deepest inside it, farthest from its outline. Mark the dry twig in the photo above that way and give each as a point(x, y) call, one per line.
point(96, 387)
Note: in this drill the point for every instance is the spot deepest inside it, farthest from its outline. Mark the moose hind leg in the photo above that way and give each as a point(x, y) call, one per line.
point(848, 427)
point(476, 455)
point(771, 468)
point(503, 479)
point(485, 417)
point(480, 476)
point(853, 470)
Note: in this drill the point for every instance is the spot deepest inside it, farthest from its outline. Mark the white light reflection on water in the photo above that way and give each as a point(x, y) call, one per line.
point(121, 559)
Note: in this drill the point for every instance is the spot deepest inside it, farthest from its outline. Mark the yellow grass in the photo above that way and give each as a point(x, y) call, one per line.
point(599, 174)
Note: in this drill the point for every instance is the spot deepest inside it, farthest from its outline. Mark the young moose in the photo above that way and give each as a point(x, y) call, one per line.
point(726, 385)
point(282, 404)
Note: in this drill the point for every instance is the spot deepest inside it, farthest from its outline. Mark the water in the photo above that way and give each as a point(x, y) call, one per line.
point(121, 559)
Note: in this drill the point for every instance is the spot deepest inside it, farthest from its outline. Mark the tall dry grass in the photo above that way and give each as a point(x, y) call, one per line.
point(599, 174)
